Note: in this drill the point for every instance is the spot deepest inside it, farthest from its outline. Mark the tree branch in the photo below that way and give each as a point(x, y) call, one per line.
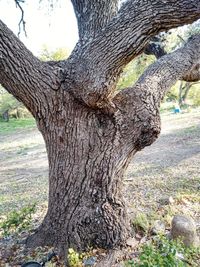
point(192, 75)
point(138, 106)
point(93, 15)
point(160, 76)
point(125, 37)
point(154, 48)
point(22, 74)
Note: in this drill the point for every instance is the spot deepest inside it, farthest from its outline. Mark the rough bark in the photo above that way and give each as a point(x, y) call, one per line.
point(125, 37)
point(154, 48)
point(85, 204)
point(92, 16)
point(90, 134)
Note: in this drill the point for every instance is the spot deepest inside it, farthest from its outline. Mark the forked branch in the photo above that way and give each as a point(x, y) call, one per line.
point(139, 105)
point(22, 21)
point(125, 37)
point(160, 76)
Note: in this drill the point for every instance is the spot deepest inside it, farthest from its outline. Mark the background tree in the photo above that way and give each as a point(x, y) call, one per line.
point(183, 93)
point(56, 55)
point(91, 133)
point(9, 106)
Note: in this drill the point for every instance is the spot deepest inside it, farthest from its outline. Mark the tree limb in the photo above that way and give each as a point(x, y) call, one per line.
point(22, 74)
point(139, 105)
point(93, 15)
point(125, 37)
point(154, 48)
point(192, 75)
point(161, 75)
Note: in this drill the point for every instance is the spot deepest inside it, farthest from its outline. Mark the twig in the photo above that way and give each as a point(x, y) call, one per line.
point(22, 21)
point(181, 38)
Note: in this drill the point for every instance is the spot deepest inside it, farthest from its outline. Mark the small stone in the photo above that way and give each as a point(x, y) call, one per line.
point(180, 256)
point(132, 242)
point(143, 240)
point(166, 200)
point(89, 261)
point(171, 200)
point(158, 227)
point(184, 227)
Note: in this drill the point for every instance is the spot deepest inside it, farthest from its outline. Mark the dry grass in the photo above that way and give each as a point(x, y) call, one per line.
point(170, 167)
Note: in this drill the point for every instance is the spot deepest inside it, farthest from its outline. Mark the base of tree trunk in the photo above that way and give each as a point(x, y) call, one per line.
point(108, 229)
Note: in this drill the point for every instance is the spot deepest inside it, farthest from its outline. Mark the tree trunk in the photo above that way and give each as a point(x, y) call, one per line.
point(5, 115)
point(91, 132)
point(87, 160)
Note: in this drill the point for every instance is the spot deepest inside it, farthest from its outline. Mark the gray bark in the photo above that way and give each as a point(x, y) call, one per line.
point(92, 16)
point(91, 133)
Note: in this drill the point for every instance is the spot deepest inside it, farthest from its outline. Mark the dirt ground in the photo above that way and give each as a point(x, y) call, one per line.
point(168, 168)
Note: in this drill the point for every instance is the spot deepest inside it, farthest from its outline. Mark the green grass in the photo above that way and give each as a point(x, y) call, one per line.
point(16, 124)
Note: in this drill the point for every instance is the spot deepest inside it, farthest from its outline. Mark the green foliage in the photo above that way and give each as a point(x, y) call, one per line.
point(164, 253)
point(74, 258)
point(141, 222)
point(58, 54)
point(133, 70)
point(18, 221)
point(8, 102)
point(192, 255)
point(13, 125)
point(192, 29)
point(194, 94)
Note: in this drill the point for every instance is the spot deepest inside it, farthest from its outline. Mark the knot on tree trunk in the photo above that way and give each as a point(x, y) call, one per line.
point(149, 132)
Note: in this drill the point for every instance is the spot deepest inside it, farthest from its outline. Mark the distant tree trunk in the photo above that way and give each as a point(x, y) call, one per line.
point(183, 92)
point(91, 132)
point(5, 115)
point(17, 113)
